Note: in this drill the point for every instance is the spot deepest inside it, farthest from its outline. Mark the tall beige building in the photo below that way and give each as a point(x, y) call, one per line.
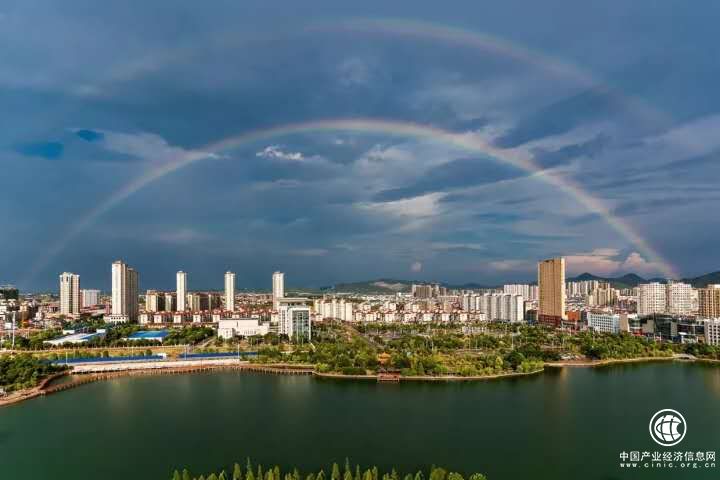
point(229, 291)
point(551, 288)
point(709, 301)
point(278, 288)
point(69, 293)
point(181, 279)
point(124, 293)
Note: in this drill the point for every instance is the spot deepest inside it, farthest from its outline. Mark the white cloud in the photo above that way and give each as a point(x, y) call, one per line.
point(275, 152)
point(355, 72)
point(149, 147)
point(608, 261)
point(416, 207)
point(416, 267)
point(511, 265)
point(183, 236)
point(456, 246)
point(601, 261)
point(309, 252)
point(636, 263)
point(692, 138)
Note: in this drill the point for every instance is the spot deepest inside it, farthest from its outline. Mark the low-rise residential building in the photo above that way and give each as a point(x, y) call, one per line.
point(604, 322)
point(241, 327)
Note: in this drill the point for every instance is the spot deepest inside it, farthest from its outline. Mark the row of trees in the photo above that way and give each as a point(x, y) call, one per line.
point(275, 473)
point(339, 349)
point(23, 371)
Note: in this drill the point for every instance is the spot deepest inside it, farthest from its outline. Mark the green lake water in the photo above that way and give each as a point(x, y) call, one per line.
point(570, 423)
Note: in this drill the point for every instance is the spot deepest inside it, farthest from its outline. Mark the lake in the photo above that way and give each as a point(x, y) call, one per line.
point(569, 423)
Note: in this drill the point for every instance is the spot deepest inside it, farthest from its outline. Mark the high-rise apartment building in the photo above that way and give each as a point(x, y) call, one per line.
point(89, 298)
point(528, 292)
point(170, 302)
point(154, 301)
point(69, 293)
point(674, 298)
point(229, 291)
point(181, 280)
point(712, 331)
point(496, 306)
point(709, 301)
point(551, 288)
point(679, 298)
point(651, 298)
point(124, 293)
point(278, 288)
point(294, 321)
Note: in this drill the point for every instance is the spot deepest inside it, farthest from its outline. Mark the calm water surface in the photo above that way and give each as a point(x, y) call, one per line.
point(564, 424)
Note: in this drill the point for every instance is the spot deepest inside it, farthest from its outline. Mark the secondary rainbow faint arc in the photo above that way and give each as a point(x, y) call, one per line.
point(486, 42)
point(466, 142)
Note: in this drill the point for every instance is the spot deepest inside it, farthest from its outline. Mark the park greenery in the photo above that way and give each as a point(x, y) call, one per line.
point(18, 372)
point(115, 336)
point(410, 350)
point(335, 472)
point(464, 350)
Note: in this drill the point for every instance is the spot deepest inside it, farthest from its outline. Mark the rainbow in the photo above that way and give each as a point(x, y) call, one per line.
point(467, 142)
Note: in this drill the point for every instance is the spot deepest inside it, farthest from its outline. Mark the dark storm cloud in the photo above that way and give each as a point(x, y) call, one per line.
point(49, 150)
point(459, 173)
point(498, 217)
point(553, 158)
point(89, 135)
point(562, 116)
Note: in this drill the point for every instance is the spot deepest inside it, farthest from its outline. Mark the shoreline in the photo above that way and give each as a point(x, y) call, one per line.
point(43, 389)
point(611, 361)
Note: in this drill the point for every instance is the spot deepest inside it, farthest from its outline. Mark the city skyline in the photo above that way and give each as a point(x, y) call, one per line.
point(171, 284)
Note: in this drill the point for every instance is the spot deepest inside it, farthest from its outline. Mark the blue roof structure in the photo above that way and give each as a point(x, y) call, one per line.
point(149, 335)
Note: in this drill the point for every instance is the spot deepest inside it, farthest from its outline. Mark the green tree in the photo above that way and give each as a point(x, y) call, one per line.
point(478, 476)
point(186, 474)
point(176, 475)
point(438, 474)
point(237, 472)
point(335, 475)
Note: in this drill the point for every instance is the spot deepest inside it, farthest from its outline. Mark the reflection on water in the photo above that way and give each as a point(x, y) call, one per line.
point(564, 423)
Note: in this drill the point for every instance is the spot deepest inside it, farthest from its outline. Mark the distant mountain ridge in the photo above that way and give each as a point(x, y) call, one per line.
point(631, 280)
point(391, 286)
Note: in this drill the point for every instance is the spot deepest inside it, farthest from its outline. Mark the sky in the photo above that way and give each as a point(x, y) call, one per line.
point(455, 141)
